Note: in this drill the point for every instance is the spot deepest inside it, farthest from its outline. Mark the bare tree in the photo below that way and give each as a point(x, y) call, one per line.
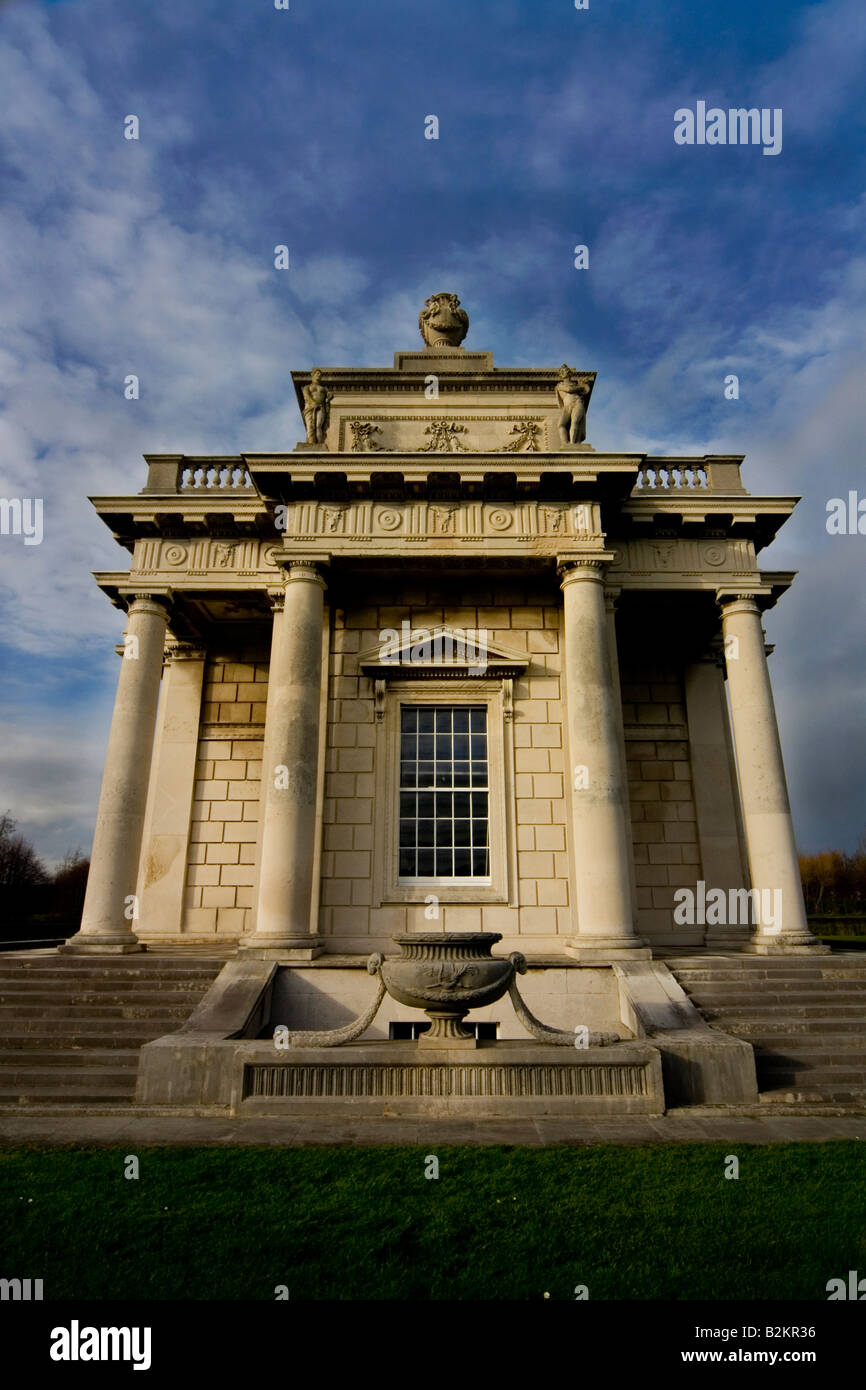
point(20, 865)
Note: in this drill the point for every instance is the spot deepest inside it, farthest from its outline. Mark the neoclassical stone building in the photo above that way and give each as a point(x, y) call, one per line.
point(443, 665)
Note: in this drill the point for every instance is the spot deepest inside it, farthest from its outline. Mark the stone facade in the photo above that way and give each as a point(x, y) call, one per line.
point(609, 596)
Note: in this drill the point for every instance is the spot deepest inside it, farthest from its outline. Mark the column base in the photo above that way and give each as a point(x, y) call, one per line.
point(80, 945)
point(288, 948)
point(781, 947)
point(601, 949)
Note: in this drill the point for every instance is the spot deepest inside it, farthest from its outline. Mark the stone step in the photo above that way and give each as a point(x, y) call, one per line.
point(849, 1096)
point(717, 956)
point(774, 1011)
point(768, 1060)
point(107, 1000)
point(67, 987)
point(784, 978)
point(806, 1046)
point(97, 977)
point(106, 1011)
point(801, 1030)
point(805, 1018)
point(843, 993)
point(61, 1091)
point(749, 962)
point(819, 1077)
point(73, 1058)
point(118, 1079)
point(116, 1033)
point(71, 1027)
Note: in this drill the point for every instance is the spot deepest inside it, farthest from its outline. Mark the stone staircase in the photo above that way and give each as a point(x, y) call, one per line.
point(805, 1016)
point(71, 1026)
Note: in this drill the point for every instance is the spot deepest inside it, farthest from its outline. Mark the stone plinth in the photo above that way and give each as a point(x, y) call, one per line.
point(508, 1080)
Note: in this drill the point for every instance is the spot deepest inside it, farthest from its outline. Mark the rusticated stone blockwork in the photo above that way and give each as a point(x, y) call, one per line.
point(661, 797)
point(525, 619)
point(225, 809)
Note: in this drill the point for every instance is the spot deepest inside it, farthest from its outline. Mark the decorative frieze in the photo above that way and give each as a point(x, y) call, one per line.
point(684, 557)
point(542, 527)
point(460, 521)
point(438, 434)
point(204, 556)
point(441, 1080)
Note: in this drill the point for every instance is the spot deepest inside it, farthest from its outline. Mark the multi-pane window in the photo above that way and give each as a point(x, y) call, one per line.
point(443, 792)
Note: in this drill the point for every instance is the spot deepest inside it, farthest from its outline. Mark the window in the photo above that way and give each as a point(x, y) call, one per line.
point(443, 793)
point(444, 788)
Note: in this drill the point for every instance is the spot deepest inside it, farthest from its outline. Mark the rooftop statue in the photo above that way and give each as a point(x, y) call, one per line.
point(442, 322)
point(317, 405)
point(572, 396)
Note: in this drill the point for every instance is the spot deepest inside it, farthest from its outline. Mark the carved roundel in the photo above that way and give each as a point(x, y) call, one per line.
point(175, 554)
point(715, 554)
point(390, 520)
point(268, 555)
point(500, 520)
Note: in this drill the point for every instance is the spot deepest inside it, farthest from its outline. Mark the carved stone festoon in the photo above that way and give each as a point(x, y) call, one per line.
point(445, 438)
point(362, 436)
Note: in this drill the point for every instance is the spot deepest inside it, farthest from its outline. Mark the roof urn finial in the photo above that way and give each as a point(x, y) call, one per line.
point(442, 321)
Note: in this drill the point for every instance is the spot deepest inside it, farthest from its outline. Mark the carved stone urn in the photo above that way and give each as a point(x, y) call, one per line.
point(446, 974)
point(442, 321)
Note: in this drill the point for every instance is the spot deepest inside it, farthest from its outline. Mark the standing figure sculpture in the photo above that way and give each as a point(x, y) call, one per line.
point(317, 408)
point(572, 395)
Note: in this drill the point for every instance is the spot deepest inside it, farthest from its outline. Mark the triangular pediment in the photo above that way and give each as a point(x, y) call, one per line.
point(439, 651)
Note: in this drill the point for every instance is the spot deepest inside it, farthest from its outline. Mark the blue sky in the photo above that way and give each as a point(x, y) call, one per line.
point(306, 127)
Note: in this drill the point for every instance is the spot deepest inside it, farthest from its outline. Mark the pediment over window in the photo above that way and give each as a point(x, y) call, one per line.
point(419, 652)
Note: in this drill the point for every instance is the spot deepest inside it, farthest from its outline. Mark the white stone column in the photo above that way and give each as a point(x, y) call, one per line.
point(770, 843)
point(110, 904)
point(282, 920)
point(165, 843)
point(600, 822)
point(611, 598)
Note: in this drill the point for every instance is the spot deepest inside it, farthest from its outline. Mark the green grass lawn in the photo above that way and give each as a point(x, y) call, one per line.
point(655, 1222)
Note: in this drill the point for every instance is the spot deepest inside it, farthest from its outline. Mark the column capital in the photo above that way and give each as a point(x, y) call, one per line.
point(305, 571)
point(590, 566)
point(612, 596)
point(737, 603)
point(150, 601)
point(183, 651)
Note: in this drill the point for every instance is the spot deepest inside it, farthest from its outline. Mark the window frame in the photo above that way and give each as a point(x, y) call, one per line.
point(479, 880)
point(495, 695)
